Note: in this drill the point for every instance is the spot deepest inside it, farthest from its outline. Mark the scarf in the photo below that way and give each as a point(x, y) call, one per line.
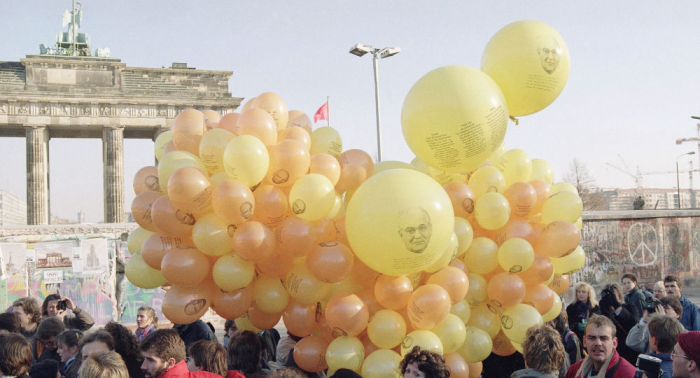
point(587, 365)
point(142, 332)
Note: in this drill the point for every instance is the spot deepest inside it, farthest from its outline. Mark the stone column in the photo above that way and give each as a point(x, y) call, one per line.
point(113, 162)
point(37, 175)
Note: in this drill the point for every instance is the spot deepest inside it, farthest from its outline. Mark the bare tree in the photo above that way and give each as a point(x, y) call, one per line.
point(579, 177)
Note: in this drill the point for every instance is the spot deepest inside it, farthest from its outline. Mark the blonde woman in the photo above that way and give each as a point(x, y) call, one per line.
point(146, 321)
point(584, 306)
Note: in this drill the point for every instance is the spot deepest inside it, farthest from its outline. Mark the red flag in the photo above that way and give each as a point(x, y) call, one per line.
point(321, 113)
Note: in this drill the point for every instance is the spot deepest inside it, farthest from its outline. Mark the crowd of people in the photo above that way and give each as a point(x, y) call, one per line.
point(657, 330)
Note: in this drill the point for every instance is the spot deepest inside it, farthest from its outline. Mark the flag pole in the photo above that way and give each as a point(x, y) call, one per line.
point(328, 108)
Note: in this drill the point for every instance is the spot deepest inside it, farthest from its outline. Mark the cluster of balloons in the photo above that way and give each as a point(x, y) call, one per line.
point(260, 218)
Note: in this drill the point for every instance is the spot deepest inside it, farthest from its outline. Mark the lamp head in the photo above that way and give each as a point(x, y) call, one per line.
point(390, 51)
point(360, 49)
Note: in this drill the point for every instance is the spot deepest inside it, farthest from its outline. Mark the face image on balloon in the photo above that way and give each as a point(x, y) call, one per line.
point(280, 176)
point(550, 54)
point(415, 229)
point(337, 332)
point(231, 229)
point(299, 207)
point(194, 306)
point(184, 218)
point(152, 183)
point(407, 342)
point(246, 209)
point(468, 205)
point(506, 322)
point(329, 244)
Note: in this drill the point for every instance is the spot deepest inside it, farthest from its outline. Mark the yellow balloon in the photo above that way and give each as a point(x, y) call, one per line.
point(386, 329)
point(326, 140)
point(399, 222)
point(579, 223)
point(482, 256)
point(517, 319)
point(492, 211)
point(447, 256)
point(231, 272)
point(515, 165)
point(566, 206)
point(312, 197)
point(303, 286)
point(516, 255)
point(136, 238)
point(426, 340)
point(465, 235)
point(451, 332)
point(530, 62)
point(518, 347)
point(487, 318)
point(462, 310)
point(554, 311)
point(454, 117)
point(211, 149)
point(390, 164)
point(496, 155)
point(382, 363)
point(246, 159)
point(345, 352)
point(541, 170)
point(562, 187)
point(477, 345)
point(162, 139)
point(337, 208)
point(476, 294)
point(269, 295)
point(570, 263)
point(173, 161)
point(442, 177)
point(212, 236)
point(487, 179)
point(141, 275)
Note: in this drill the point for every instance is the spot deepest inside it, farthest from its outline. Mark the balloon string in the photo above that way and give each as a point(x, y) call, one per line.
point(514, 120)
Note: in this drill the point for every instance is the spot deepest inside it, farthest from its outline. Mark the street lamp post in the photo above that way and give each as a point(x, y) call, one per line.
point(678, 177)
point(385, 52)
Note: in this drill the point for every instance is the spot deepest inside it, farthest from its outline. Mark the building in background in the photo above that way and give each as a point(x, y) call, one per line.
point(13, 211)
point(81, 217)
point(659, 199)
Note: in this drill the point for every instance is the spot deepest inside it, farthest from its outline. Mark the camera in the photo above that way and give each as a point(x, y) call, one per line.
point(61, 305)
point(651, 366)
point(651, 305)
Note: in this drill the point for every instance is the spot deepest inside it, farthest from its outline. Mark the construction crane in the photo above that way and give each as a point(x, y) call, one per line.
point(636, 176)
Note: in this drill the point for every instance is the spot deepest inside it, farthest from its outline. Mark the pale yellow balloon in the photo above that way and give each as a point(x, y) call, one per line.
point(141, 275)
point(542, 170)
point(515, 255)
point(391, 164)
point(485, 180)
point(426, 340)
point(517, 319)
point(386, 329)
point(345, 352)
point(173, 161)
point(462, 310)
point(337, 208)
point(136, 238)
point(312, 197)
point(246, 159)
point(326, 140)
point(554, 311)
point(493, 159)
point(477, 345)
point(212, 236)
point(465, 235)
point(562, 187)
point(211, 149)
point(570, 263)
point(562, 206)
point(447, 256)
point(451, 332)
point(579, 223)
point(492, 211)
point(162, 139)
point(303, 286)
point(382, 363)
point(231, 272)
point(476, 295)
point(482, 256)
point(515, 165)
point(443, 178)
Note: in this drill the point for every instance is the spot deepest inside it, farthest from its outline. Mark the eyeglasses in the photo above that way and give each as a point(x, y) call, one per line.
point(673, 355)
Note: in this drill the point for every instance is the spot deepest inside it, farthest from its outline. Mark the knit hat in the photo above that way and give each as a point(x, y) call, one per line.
point(690, 343)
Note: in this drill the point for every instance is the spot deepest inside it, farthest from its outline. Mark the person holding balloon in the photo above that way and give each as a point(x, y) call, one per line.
point(423, 364)
point(584, 306)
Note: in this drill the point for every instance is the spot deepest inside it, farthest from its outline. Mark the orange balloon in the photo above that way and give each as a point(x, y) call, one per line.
point(340, 229)
point(261, 319)
point(145, 179)
point(475, 369)
point(295, 237)
point(310, 354)
point(502, 345)
point(540, 271)
point(330, 261)
point(367, 344)
point(297, 118)
point(325, 230)
point(141, 209)
point(190, 189)
point(367, 296)
point(278, 265)
point(212, 118)
point(515, 228)
point(560, 284)
point(540, 297)
point(271, 205)
point(170, 219)
point(184, 305)
point(351, 178)
point(233, 201)
point(169, 147)
point(543, 191)
point(347, 313)
point(229, 122)
point(506, 289)
point(301, 319)
point(295, 133)
point(232, 304)
point(327, 165)
point(459, 264)
point(254, 241)
point(188, 128)
point(258, 123)
point(453, 280)
point(363, 275)
point(457, 366)
point(275, 106)
point(522, 198)
point(462, 198)
point(289, 160)
point(429, 306)
point(393, 292)
point(558, 239)
point(185, 267)
point(157, 245)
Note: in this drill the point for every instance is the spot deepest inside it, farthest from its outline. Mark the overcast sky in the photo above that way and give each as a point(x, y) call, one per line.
point(634, 80)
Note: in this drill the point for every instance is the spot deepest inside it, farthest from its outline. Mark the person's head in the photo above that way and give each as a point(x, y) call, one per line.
point(161, 350)
point(629, 281)
point(27, 309)
point(663, 333)
point(244, 351)
point(585, 294)
point(673, 286)
point(125, 342)
point(103, 364)
point(96, 341)
point(10, 323)
point(47, 330)
point(611, 299)
point(423, 364)
point(345, 373)
point(206, 355)
point(146, 316)
point(230, 328)
point(659, 290)
point(415, 229)
point(543, 350)
point(45, 369)
point(50, 306)
point(68, 344)
point(686, 355)
point(561, 322)
point(599, 339)
point(672, 306)
point(15, 355)
point(550, 54)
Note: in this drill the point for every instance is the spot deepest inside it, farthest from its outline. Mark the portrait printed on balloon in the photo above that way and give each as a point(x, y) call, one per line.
point(415, 229)
point(550, 53)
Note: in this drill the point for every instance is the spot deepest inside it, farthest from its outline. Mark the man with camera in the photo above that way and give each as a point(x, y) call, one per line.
point(54, 305)
point(602, 360)
point(691, 313)
point(638, 337)
point(686, 355)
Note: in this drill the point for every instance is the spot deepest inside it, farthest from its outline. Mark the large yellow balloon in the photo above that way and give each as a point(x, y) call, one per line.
point(345, 352)
point(442, 177)
point(454, 117)
point(390, 164)
point(517, 319)
point(570, 263)
point(326, 140)
point(382, 363)
point(399, 222)
point(141, 275)
point(246, 159)
point(312, 197)
point(530, 62)
point(477, 345)
point(173, 161)
point(426, 340)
